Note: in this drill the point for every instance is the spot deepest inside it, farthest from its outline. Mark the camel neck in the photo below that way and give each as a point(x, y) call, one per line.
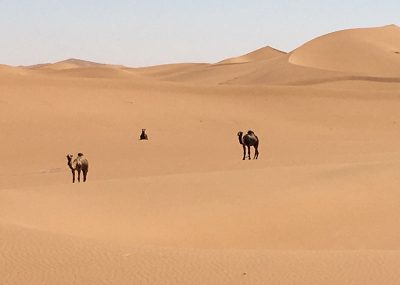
point(70, 164)
point(241, 138)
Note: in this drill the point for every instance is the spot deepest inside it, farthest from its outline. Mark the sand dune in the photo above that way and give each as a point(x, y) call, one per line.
point(166, 71)
point(257, 55)
point(68, 64)
point(320, 206)
point(208, 73)
point(220, 73)
point(6, 70)
point(93, 72)
point(370, 54)
point(81, 68)
point(373, 51)
point(5, 67)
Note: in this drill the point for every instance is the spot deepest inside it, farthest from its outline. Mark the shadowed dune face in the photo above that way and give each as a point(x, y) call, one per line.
point(373, 51)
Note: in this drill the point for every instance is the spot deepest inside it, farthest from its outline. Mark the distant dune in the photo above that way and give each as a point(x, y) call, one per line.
point(367, 54)
point(94, 72)
point(9, 70)
point(257, 55)
point(82, 68)
point(166, 71)
point(67, 64)
point(211, 74)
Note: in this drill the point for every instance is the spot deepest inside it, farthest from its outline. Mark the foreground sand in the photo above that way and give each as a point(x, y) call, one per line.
point(320, 206)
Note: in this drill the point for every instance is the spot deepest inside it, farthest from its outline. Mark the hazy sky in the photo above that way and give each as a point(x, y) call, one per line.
point(149, 32)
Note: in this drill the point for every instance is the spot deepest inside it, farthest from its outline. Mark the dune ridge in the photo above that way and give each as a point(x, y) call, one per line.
point(70, 64)
point(257, 55)
point(370, 54)
point(374, 51)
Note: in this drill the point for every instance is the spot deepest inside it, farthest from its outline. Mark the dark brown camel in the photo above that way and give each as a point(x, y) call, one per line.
point(143, 135)
point(248, 140)
point(78, 164)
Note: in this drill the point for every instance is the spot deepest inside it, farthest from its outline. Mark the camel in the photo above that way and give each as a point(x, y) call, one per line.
point(143, 135)
point(249, 139)
point(78, 164)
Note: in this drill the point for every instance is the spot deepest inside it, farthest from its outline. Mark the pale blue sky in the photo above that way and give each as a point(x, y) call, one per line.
point(138, 33)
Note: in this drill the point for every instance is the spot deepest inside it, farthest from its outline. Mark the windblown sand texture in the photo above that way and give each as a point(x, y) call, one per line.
point(321, 205)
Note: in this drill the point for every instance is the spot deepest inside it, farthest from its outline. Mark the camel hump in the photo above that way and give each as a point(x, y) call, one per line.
point(80, 154)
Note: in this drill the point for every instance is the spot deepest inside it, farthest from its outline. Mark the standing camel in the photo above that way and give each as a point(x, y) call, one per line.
point(78, 164)
point(249, 139)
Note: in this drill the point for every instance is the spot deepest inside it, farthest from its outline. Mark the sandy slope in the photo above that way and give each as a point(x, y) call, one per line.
point(257, 55)
point(368, 54)
point(372, 51)
point(60, 259)
point(71, 63)
point(320, 206)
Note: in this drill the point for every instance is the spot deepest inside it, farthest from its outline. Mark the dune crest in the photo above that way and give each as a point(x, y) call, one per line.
point(71, 63)
point(78, 68)
point(372, 51)
point(257, 55)
point(366, 54)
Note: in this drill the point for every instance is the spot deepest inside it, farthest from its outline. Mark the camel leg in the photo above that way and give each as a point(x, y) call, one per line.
point(84, 176)
point(79, 175)
point(73, 176)
point(248, 150)
point(244, 152)
point(256, 153)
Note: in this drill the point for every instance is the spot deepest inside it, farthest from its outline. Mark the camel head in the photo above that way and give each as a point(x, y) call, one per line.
point(69, 157)
point(240, 136)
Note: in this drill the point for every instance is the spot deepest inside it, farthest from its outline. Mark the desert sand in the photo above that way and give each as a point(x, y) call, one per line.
point(321, 205)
